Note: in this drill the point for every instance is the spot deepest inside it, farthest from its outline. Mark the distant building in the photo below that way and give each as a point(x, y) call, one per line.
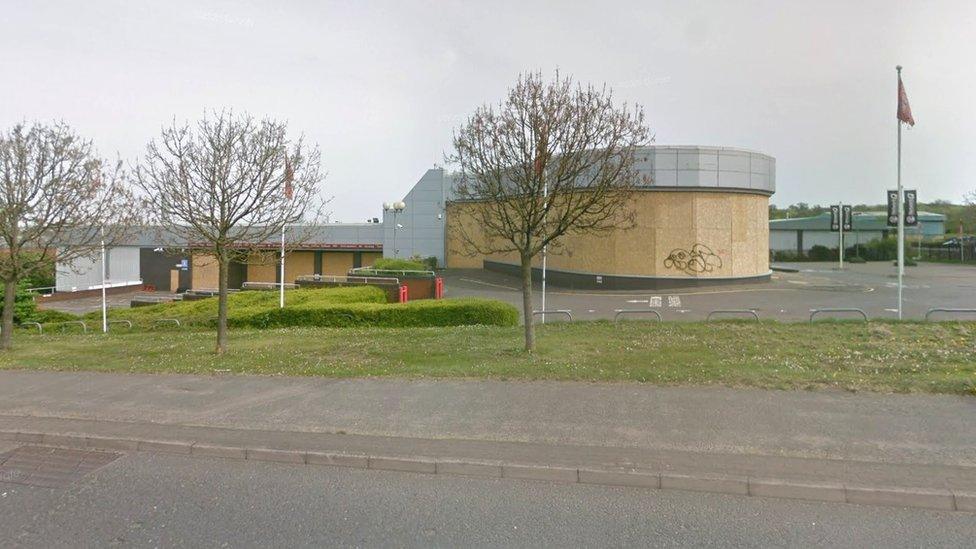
point(802, 233)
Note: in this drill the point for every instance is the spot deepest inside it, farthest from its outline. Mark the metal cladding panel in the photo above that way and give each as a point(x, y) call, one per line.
point(666, 160)
point(782, 241)
point(734, 162)
point(423, 219)
point(739, 180)
point(695, 166)
point(664, 178)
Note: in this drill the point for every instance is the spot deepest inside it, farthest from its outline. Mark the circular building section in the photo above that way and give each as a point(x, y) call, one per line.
point(702, 218)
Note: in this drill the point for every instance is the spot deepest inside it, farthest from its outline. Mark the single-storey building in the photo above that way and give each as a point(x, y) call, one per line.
point(799, 234)
point(152, 259)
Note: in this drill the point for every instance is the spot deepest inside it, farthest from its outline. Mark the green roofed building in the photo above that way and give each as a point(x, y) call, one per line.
point(802, 233)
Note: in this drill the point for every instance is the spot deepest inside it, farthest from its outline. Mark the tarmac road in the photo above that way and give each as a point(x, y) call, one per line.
point(144, 499)
point(788, 296)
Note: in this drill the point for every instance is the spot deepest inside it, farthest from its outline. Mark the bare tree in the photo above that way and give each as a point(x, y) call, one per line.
point(228, 186)
point(553, 159)
point(58, 201)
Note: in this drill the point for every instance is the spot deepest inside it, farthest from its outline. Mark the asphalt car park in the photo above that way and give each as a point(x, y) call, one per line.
point(789, 296)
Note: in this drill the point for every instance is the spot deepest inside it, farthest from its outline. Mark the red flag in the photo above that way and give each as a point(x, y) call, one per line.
point(904, 110)
point(289, 175)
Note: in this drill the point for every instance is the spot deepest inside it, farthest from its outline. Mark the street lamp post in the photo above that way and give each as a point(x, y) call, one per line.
point(395, 207)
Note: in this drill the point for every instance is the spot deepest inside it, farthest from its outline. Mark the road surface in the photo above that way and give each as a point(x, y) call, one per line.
point(144, 499)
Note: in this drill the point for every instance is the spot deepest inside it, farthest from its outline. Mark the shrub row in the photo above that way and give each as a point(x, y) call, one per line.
point(394, 264)
point(876, 250)
point(246, 304)
point(423, 313)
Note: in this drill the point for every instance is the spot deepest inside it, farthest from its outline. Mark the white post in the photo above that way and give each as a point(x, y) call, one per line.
point(104, 300)
point(281, 298)
point(901, 216)
point(545, 196)
point(840, 236)
point(396, 252)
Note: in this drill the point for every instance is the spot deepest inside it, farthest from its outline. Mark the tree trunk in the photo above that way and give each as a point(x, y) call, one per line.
point(527, 303)
point(7, 324)
point(222, 261)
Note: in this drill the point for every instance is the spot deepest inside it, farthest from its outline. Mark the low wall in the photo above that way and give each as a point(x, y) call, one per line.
point(65, 296)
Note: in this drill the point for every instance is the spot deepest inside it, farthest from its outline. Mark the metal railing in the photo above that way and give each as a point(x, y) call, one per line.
point(40, 329)
point(38, 290)
point(267, 286)
point(618, 312)
point(84, 327)
point(815, 312)
point(951, 311)
point(732, 312)
point(402, 272)
point(167, 321)
point(347, 279)
point(128, 323)
point(566, 312)
point(210, 291)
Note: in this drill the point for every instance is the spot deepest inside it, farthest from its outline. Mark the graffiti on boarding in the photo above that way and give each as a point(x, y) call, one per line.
point(699, 259)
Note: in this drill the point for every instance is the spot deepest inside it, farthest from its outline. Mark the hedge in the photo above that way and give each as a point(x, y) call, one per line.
point(393, 264)
point(245, 304)
point(421, 313)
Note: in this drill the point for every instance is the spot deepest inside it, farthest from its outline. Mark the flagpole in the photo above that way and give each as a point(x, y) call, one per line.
point(901, 212)
point(104, 301)
point(281, 299)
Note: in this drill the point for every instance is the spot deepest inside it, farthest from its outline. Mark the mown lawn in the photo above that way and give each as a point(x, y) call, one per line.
point(879, 356)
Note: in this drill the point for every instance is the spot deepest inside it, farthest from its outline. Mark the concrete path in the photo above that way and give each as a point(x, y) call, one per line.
point(837, 425)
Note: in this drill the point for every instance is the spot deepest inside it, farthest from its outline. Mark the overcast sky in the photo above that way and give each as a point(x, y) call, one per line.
point(380, 85)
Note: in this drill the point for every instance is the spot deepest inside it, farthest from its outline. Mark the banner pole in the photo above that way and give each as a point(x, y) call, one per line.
point(104, 299)
point(840, 237)
point(901, 215)
point(281, 299)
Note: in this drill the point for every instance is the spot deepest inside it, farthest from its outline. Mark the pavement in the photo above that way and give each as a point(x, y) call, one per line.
point(915, 450)
point(788, 296)
point(145, 499)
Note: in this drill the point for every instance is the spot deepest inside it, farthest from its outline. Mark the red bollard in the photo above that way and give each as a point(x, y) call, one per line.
point(438, 288)
point(403, 293)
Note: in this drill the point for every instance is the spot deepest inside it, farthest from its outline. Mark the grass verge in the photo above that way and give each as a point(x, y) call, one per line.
point(877, 356)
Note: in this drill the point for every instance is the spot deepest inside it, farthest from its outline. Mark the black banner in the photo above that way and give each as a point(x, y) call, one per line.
point(911, 208)
point(835, 218)
point(847, 218)
point(892, 208)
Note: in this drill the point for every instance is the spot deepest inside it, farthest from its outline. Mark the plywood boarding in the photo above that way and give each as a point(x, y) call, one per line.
point(705, 234)
point(205, 271)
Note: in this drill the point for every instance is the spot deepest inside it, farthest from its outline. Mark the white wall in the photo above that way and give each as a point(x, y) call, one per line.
point(85, 273)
